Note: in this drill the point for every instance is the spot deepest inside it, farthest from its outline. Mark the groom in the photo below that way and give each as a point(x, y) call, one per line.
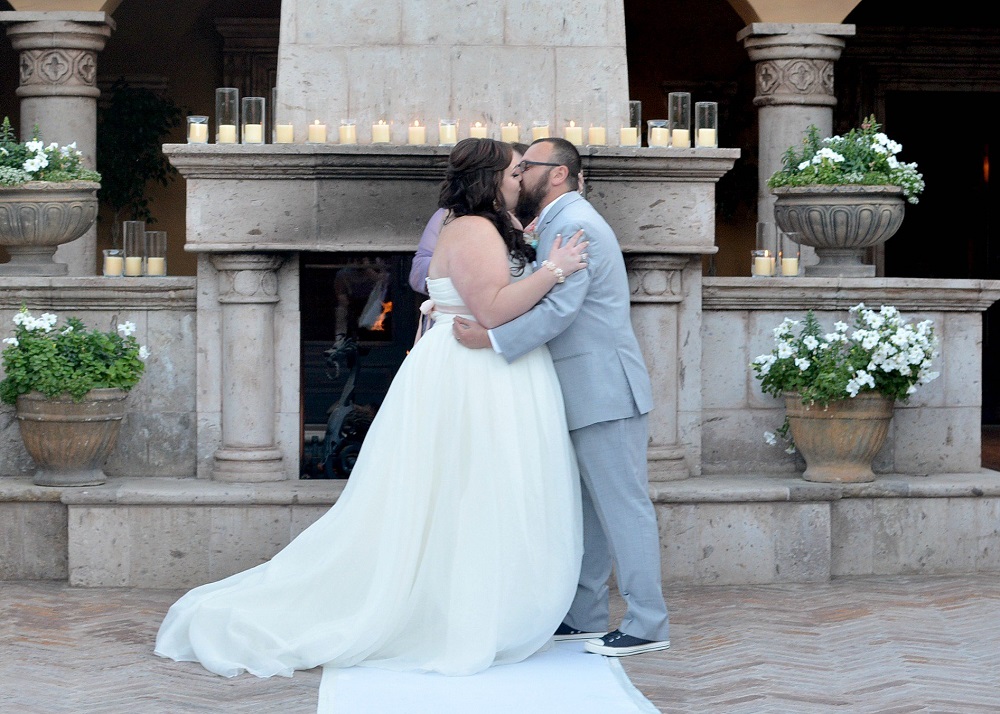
point(585, 322)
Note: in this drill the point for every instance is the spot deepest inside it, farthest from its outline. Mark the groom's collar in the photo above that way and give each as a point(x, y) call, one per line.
point(553, 208)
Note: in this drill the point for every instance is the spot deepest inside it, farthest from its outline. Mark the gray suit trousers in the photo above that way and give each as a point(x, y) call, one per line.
point(619, 528)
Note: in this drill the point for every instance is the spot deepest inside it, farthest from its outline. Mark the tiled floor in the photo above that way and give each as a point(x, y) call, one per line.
point(867, 645)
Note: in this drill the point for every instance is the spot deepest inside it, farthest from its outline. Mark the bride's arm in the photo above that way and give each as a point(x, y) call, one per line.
point(479, 269)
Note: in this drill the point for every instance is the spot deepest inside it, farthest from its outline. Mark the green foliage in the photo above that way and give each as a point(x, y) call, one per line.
point(131, 127)
point(33, 161)
point(864, 156)
point(70, 359)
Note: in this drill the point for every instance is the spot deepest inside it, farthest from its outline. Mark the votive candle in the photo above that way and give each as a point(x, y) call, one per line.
point(477, 130)
point(253, 133)
point(629, 136)
point(348, 132)
point(573, 133)
point(510, 132)
point(597, 136)
point(284, 133)
point(380, 132)
point(156, 266)
point(680, 138)
point(416, 134)
point(227, 134)
point(133, 265)
point(317, 133)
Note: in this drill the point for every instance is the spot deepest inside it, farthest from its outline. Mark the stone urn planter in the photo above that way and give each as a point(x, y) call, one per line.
point(841, 222)
point(70, 440)
point(37, 217)
point(840, 440)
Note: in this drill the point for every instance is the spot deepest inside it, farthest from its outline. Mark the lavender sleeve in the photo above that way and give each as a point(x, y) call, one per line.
point(425, 250)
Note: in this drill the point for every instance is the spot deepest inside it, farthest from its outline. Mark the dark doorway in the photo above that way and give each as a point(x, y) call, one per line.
point(950, 233)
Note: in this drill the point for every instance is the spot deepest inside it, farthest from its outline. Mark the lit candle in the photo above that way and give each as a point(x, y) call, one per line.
point(416, 134)
point(348, 134)
point(659, 136)
point(597, 136)
point(629, 136)
point(227, 134)
point(380, 132)
point(198, 133)
point(706, 138)
point(253, 133)
point(113, 265)
point(789, 266)
point(573, 133)
point(284, 134)
point(317, 133)
point(510, 132)
point(447, 133)
point(133, 265)
point(540, 130)
point(156, 266)
point(477, 130)
point(680, 138)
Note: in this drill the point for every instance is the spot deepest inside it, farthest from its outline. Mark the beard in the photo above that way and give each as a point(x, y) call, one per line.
point(529, 203)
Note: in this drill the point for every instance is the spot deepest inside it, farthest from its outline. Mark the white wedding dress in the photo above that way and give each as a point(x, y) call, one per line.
point(456, 544)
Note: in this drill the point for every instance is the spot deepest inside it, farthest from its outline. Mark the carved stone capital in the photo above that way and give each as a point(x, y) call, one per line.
point(58, 57)
point(656, 278)
point(247, 277)
point(795, 81)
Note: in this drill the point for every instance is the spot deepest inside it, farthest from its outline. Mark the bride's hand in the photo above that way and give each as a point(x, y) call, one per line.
point(570, 255)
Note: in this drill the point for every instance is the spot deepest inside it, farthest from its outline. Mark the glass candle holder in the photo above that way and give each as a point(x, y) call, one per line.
point(764, 257)
point(347, 132)
point(478, 130)
point(253, 114)
point(679, 108)
point(227, 115)
point(789, 252)
point(317, 132)
point(197, 129)
point(416, 133)
point(631, 133)
point(447, 132)
point(381, 132)
point(706, 125)
point(114, 262)
point(540, 129)
point(281, 132)
point(573, 133)
point(658, 132)
point(135, 246)
point(635, 113)
point(510, 132)
point(156, 253)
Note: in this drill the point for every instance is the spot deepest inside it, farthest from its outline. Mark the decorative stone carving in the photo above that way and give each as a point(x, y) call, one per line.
point(655, 278)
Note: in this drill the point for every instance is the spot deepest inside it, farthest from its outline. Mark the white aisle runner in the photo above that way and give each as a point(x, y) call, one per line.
point(562, 679)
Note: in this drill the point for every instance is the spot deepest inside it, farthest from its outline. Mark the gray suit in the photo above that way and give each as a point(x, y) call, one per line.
point(586, 324)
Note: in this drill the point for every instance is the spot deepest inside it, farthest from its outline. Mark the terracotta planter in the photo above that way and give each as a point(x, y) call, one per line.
point(39, 216)
point(839, 441)
point(840, 222)
point(70, 441)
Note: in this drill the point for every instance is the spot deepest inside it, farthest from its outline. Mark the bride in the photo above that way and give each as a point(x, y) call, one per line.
point(456, 544)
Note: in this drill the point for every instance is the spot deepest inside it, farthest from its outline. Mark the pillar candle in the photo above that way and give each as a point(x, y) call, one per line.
point(510, 132)
point(133, 265)
point(156, 266)
point(789, 266)
point(447, 133)
point(227, 134)
point(680, 138)
point(659, 136)
point(416, 134)
point(573, 134)
point(253, 134)
point(539, 132)
point(348, 134)
point(284, 134)
point(380, 132)
point(198, 133)
point(629, 136)
point(477, 131)
point(317, 133)
point(597, 136)
point(706, 137)
point(113, 265)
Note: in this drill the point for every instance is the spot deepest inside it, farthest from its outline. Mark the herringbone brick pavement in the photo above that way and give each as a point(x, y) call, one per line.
point(883, 645)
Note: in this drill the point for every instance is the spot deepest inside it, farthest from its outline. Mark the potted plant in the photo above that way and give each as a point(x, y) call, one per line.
point(840, 387)
point(68, 385)
point(842, 195)
point(47, 198)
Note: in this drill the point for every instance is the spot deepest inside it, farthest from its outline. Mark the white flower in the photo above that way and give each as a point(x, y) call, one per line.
point(790, 450)
point(785, 351)
point(34, 146)
point(802, 363)
point(127, 329)
point(12, 341)
point(769, 438)
point(810, 342)
point(143, 352)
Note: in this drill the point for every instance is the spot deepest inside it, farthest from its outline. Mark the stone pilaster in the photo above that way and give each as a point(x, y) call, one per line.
point(58, 92)
point(794, 69)
point(657, 287)
point(248, 294)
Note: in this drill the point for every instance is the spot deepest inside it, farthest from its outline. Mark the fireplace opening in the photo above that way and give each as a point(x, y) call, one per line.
point(359, 316)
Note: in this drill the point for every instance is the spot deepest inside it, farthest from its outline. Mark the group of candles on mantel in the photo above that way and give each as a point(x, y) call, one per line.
point(244, 121)
point(145, 253)
point(777, 253)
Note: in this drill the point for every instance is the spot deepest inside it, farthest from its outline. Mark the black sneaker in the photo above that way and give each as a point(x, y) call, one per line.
point(565, 632)
point(618, 644)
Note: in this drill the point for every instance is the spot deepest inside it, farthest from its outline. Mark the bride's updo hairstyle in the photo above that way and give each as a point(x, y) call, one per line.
point(472, 188)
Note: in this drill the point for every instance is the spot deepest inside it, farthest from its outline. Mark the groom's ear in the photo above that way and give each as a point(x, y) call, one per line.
point(559, 175)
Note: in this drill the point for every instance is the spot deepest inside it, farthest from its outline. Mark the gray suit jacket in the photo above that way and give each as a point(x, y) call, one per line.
point(586, 324)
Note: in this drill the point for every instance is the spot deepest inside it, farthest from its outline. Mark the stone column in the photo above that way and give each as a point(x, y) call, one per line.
point(794, 90)
point(248, 293)
point(657, 292)
point(58, 92)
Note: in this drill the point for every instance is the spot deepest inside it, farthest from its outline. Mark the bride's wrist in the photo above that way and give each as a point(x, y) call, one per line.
point(555, 270)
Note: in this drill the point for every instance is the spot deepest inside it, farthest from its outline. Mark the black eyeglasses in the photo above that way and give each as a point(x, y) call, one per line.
point(524, 165)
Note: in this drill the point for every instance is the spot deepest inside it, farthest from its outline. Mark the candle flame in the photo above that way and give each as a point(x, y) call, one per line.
point(381, 122)
point(416, 123)
point(316, 122)
point(572, 123)
point(380, 322)
point(478, 124)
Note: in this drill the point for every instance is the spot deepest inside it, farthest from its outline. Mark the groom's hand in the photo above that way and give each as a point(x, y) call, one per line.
point(470, 334)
